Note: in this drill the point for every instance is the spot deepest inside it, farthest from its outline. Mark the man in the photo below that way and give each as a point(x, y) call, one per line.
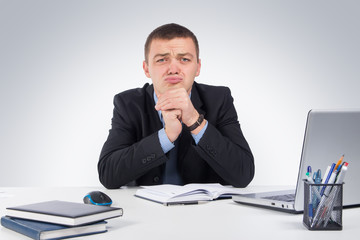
point(176, 130)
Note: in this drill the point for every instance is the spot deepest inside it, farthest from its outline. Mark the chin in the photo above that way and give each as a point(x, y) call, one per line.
point(179, 85)
point(174, 86)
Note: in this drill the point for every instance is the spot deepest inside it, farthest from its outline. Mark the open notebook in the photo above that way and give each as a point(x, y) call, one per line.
point(328, 135)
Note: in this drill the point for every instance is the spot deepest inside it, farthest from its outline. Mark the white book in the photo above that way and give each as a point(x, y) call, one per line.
point(169, 194)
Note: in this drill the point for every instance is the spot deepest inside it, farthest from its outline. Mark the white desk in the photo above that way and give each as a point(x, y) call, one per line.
point(221, 219)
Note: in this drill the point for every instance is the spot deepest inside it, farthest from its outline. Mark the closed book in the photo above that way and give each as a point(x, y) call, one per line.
point(40, 230)
point(64, 213)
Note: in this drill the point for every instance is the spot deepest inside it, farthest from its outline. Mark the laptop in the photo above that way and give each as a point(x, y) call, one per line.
point(328, 135)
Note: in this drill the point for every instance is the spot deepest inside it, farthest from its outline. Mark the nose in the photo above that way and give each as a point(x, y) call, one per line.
point(173, 67)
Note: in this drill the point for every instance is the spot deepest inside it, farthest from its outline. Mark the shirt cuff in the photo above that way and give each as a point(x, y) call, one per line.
point(165, 143)
point(197, 137)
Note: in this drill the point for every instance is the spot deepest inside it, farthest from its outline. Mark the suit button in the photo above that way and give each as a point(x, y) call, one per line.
point(156, 179)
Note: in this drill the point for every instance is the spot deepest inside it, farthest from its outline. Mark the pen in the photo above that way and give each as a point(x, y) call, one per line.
point(322, 206)
point(313, 194)
point(332, 197)
point(311, 208)
point(339, 180)
point(328, 178)
point(317, 180)
point(339, 162)
point(317, 177)
point(310, 204)
point(326, 173)
point(185, 203)
point(327, 202)
point(309, 179)
point(318, 211)
point(331, 181)
point(341, 175)
point(308, 173)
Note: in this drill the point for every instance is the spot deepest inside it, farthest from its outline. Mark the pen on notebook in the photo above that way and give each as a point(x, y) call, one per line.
point(185, 203)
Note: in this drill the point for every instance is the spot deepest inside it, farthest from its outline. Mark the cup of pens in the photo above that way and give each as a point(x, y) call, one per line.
point(323, 204)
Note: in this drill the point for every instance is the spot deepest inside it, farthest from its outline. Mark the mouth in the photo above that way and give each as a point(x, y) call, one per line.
point(173, 80)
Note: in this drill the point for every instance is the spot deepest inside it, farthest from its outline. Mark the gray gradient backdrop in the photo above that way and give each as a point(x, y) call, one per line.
point(61, 63)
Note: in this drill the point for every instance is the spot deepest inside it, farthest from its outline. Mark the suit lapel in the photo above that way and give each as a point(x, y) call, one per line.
point(151, 111)
point(196, 100)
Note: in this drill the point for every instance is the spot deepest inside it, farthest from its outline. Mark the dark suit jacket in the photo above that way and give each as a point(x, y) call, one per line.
point(133, 155)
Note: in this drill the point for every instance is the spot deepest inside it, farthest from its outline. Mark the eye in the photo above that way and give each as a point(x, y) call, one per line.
point(160, 60)
point(185, 60)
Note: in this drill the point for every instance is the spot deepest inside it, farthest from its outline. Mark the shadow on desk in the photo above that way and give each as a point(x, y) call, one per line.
point(115, 224)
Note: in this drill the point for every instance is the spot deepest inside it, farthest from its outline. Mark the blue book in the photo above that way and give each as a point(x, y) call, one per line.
point(40, 230)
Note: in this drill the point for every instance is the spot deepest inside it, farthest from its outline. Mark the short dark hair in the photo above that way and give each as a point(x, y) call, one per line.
point(169, 32)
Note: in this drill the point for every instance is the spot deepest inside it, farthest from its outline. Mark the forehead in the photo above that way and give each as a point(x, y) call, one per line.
point(176, 45)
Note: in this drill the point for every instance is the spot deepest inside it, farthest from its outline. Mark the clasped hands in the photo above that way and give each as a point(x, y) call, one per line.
point(176, 107)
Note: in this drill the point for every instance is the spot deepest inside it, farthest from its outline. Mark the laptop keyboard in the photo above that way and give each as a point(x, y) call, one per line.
point(283, 198)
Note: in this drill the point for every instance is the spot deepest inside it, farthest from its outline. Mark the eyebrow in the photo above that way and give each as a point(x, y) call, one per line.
point(178, 55)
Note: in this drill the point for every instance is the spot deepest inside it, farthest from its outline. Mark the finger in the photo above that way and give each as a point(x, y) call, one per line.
point(175, 102)
point(175, 93)
point(168, 105)
point(172, 114)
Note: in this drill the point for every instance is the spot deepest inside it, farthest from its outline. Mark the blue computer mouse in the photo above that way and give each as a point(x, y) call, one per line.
point(97, 198)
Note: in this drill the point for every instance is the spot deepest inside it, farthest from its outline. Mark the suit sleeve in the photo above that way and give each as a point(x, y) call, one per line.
point(123, 158)
point(224, 147)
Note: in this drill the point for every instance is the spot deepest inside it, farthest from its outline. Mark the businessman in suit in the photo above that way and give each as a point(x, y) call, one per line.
point(175, 130)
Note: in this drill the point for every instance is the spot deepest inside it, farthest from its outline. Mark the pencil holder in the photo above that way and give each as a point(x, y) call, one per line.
point(323, 204)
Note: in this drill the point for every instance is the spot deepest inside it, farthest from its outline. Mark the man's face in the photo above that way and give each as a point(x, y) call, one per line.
point(172, 64)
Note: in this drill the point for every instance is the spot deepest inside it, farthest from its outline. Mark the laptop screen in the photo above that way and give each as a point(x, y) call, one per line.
point(329, 134)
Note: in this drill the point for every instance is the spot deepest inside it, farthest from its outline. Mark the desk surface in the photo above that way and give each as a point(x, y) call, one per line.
point(222, 219)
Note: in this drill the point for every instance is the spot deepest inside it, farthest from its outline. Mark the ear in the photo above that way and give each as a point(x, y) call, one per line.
point(198, 68)
point(146, 69)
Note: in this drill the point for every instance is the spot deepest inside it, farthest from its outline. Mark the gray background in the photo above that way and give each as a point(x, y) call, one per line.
point(61, 63)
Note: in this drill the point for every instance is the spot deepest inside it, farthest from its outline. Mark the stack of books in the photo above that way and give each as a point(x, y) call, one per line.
point(58, 219)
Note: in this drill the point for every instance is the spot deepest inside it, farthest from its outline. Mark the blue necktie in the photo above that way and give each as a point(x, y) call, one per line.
point(171, 175)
